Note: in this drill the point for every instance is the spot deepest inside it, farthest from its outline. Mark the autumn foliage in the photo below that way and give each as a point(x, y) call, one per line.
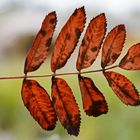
point(62, 104)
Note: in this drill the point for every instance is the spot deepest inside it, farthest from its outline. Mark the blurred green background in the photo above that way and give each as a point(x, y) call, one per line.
point(20, 20)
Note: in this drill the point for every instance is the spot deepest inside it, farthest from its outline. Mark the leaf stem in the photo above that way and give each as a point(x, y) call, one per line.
point(55, 74)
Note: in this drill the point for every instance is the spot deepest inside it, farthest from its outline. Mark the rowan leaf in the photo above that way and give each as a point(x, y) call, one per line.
point(91, 42)
point(131, 60)
point(123, 88)
point(113, 45)
point(94, 103)
point(39, 50)
point(65, 106)
point(68, 39)
point(38, 102)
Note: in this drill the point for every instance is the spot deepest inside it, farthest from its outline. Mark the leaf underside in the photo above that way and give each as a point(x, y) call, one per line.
point(38, 102)
point(123, 88)
point(39, 50)
point(68, 39)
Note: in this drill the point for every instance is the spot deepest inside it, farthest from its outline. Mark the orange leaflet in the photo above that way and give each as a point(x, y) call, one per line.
point(39, 51)
point(94, 103)
point(65, 106)
point(123, 88)
point(131, 61)
point(38, 102)
point(113, 45)
point(91, 42)
point(68, 39)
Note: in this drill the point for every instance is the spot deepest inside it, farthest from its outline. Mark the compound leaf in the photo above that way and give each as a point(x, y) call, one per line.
point(38, 102)
point(94, 103)
point(39, 50)
point(113, 45)
point(91, 42)
point(123, 88)
point(68, 39)
point(131, 60)
point(65, 106)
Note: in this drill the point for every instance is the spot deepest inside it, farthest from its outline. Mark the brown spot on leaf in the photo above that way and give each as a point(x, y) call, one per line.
point(48, 42)
point(121, 28)
point(114, 56)
point(131, 60)
point(88, 38)
point(83, 55)
point(94, 49)
point(86, 58)
point(43, 32)
point(68, 36)
point(78, 32)
point(53, 21)
point(83, 43)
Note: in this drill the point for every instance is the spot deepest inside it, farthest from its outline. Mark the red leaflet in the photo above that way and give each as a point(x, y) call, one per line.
point(113, 45)
point(123, 88)
point(38, 102)
point(68, 39)
point(131, 61)
point(65, 106)
point(94, 103)
point(39, 51)
point(91, 42)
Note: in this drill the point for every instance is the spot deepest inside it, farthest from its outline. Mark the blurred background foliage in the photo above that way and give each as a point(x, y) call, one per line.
point(20, 20)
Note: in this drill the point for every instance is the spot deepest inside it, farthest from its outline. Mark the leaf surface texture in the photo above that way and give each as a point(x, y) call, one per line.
point(38, 102)
point(113, 45)
point(123, 88)
point(131, 60)
point(65, 106)
point(94, 103)
point(68, 39)
point(91, 42)
point(39, 50)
